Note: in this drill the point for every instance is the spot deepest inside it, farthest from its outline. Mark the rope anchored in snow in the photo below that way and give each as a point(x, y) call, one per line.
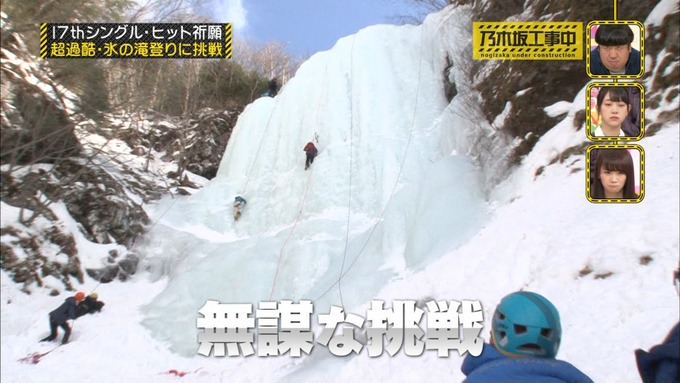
point(179, 373)
point(35, 357)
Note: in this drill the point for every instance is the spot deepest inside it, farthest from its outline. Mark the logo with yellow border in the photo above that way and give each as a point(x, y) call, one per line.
point(527, 40)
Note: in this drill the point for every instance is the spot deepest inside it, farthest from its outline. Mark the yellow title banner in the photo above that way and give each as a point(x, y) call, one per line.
point(527, 40)
point(135, 40)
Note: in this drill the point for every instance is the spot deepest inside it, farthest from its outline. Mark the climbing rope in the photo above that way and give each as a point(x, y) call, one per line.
point(318, 105)
point(349, 194)
point(394, 188)
point(259, 149)
point(290, 233)
point(36, 357)
point(309, 182)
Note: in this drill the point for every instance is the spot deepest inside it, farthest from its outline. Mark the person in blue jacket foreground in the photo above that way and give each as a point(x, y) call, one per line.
point(662, 363)
point(525, 337)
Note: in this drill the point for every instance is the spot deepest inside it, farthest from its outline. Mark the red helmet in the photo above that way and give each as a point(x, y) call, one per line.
point(80, 296)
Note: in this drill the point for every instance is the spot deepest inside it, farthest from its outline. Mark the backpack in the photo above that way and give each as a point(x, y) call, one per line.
point(310, 149)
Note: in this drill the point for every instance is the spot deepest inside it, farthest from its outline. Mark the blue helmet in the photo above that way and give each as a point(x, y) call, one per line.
point(526, 323)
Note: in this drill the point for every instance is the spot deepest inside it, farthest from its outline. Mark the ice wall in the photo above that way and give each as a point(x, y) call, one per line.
point(383, 198)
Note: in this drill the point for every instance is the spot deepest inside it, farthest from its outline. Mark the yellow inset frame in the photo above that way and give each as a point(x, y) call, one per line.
point(589, 110)
point(589, 177)
point(642, 49)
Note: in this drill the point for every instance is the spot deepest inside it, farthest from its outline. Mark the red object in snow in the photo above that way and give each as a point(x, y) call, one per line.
point(34, 358)
point(177, 373)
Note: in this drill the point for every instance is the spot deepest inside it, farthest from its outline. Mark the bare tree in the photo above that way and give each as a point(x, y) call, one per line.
point(165, 10)
point(269, 60)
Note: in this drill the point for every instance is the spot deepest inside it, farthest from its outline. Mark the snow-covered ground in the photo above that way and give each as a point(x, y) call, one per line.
point(390, 205)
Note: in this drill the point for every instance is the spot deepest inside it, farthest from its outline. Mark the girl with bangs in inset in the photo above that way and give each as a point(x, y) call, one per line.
point(614, 177)
point(613, 106)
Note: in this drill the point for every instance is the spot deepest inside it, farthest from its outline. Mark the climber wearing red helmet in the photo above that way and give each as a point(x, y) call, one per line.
point(60, 316)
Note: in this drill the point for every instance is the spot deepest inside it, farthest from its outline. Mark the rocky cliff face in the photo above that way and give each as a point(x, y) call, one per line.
point(196, 144)
point(71, 179)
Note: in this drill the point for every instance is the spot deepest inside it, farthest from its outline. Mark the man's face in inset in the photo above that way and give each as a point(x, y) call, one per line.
point(615, 57)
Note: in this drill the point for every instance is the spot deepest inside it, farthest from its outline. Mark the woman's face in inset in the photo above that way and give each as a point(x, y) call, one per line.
point(613, 181)
point(613, 112)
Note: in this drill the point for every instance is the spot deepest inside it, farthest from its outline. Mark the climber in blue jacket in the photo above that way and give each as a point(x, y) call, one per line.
point(239, 205)
point(59, 317)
